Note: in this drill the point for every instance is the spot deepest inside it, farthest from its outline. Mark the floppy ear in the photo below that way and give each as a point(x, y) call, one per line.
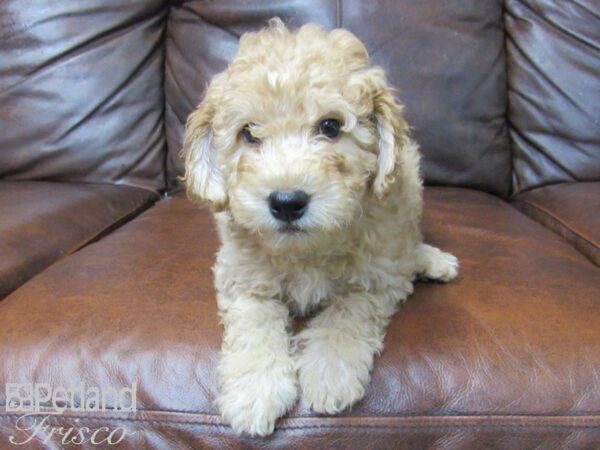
point(391, 128)
point(202, 178)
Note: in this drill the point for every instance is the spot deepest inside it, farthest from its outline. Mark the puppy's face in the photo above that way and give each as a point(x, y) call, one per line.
point(294, 136)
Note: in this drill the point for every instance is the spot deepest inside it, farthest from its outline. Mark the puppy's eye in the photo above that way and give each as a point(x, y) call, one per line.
point(248, 137)
point(330, 128)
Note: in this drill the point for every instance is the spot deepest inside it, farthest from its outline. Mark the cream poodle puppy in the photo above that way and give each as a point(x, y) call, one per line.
point(306, 159)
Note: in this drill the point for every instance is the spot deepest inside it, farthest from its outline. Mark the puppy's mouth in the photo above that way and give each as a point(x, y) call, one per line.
point(291, 229)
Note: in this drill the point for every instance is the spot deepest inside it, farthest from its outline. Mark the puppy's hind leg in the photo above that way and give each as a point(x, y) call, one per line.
point(434, 264)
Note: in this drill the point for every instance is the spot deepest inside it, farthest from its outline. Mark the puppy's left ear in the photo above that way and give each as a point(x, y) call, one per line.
point(391, 128)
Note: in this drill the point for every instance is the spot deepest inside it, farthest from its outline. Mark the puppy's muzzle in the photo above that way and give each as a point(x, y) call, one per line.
point(288, 206)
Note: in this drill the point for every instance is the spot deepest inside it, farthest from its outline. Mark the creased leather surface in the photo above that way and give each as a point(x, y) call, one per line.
point(518, 334)
point(447, 59)
point(41, 222)
point(553, 51)
point(571, 209)
point(81, 91)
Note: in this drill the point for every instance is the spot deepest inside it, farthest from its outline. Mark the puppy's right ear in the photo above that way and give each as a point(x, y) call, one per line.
point(203, 179)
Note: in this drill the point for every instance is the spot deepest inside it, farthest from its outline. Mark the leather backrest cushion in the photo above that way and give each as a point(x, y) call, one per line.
point(81, 91)
point(446, 58)
point(553, 57)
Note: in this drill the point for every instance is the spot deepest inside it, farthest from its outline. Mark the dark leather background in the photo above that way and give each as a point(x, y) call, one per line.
point(447, 59)
point(81, 91)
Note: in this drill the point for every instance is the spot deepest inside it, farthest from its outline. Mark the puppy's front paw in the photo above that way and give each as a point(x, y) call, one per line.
point(435, 264)
point(332, 377)
point(252, 402)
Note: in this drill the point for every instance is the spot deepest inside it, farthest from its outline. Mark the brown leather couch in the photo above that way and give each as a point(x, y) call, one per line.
point(105, 266)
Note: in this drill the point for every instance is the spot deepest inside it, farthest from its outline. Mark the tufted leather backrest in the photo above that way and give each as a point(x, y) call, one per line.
point(81, 95)
point(446, 58)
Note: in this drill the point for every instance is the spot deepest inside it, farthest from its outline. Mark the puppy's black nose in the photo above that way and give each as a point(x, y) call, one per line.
point(288, 205)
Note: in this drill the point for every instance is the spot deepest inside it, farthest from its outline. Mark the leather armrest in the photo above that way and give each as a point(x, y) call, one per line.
point(42, 221)
point(570, 209)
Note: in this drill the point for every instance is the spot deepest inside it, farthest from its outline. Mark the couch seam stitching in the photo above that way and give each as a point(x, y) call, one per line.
point(357, 425)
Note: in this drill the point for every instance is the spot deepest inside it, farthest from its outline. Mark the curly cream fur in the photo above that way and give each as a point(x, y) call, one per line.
point(360, 246)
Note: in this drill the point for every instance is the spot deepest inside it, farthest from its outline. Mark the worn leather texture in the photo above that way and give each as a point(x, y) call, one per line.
point(506, 356)
point(572, 210)
point(81, 91)
point(447, 60)
point(553, 58)
point(41, 222)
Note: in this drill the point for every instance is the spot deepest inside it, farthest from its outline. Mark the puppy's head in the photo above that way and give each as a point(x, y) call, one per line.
point(295, 136)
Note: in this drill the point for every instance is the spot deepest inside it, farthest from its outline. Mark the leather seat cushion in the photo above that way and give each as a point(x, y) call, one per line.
point(42, 221)
point(507, 353)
